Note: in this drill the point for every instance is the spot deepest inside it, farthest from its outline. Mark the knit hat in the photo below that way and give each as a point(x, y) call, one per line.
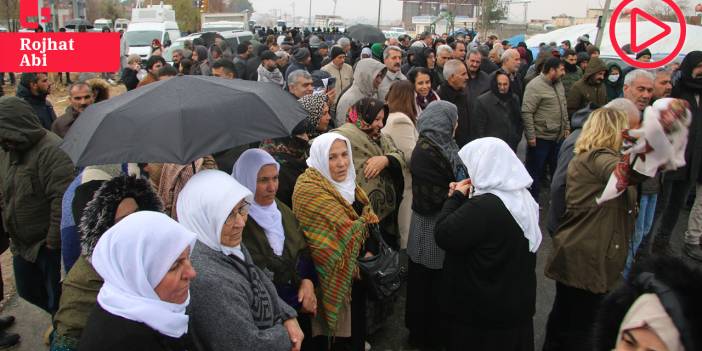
point(324, 45)
point(643, 53)
point(335, 51)
point(314, 42)
point(301, 54)
point(377, 50)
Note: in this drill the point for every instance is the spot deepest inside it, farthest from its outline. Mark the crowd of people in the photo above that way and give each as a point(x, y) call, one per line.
point(411, 144)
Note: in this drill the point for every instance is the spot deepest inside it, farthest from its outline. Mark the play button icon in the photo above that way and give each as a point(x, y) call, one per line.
point(635, 46)
point(666, 30)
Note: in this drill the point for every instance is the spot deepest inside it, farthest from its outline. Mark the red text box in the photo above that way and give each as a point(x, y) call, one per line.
point(60, 52)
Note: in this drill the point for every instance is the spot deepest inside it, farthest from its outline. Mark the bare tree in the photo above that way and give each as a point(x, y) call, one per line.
point(662, 11)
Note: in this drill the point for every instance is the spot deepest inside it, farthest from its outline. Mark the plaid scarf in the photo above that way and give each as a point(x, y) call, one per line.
point(335, 234)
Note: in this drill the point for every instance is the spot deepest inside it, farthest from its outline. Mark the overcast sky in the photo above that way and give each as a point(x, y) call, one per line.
point(392, 9)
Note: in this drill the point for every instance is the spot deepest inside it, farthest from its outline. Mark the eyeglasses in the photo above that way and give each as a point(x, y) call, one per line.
point(242, 211)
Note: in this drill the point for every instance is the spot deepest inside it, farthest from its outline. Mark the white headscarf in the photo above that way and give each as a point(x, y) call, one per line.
point(132, 258)
point(319, 160)
point(205, 203)
point(494, 168)
point(268, 217)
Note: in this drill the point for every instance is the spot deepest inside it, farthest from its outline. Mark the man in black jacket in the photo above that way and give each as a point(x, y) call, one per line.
point(452, 90)
point(34, 88)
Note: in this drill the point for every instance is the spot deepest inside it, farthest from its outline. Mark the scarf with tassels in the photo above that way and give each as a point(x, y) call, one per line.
point(335, 234)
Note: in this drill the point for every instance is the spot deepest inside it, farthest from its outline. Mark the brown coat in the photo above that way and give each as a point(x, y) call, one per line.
point(62, 124)
point(591, 244)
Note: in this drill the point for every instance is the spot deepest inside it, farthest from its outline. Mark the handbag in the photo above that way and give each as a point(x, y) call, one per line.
point(382, 272)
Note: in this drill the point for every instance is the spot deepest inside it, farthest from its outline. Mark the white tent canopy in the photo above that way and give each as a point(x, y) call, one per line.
point(645, 31)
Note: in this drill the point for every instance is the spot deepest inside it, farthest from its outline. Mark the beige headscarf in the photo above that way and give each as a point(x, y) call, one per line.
point(647, 311)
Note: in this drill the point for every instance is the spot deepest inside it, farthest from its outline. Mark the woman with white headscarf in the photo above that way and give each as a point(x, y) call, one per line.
point(489, 228)
point(144, 260)
point(335, 213)
point(234, 305)
point(273, 237)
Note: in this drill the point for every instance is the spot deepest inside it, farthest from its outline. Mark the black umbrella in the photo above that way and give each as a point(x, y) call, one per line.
point(77, 23)
point(180, 120)
point(366, 34)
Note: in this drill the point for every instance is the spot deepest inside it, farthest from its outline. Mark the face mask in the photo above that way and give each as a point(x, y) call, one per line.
point(613, 78)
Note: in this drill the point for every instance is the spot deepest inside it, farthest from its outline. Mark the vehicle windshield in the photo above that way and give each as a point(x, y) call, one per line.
point(142, 37)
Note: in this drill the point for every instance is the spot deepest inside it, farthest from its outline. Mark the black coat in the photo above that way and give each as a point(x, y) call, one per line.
point(42, 107)
point(493, 117)
point(693, 151)
point(489, 280)
point(488, 66)
point(458, 98)
point(431, 174)
point(105, 332)
point(129, 78)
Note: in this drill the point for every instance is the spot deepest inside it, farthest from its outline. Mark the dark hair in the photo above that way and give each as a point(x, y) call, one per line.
point(30, 77)
point(216, 49)
point(415, 71)
point(227, 65)
point(167, 71)
point(79, 84)
point(153, 59)
point(551, 63)
point(185, 65)
point(456, 43)
point(569, 52)
point(400, 98)
point(242, 48)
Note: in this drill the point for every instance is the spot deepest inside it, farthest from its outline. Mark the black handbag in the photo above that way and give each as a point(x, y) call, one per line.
point(382, 272)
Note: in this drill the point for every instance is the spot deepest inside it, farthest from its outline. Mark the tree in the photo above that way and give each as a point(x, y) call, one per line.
point(111, 10)
point(241, 5)
point(8, 10)
point(187, 16)
point(664, 12)
point(491, 12)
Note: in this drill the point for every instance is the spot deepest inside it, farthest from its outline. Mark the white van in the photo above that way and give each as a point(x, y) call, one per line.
point(101, 23)
point(139, 36)
point(121, 24)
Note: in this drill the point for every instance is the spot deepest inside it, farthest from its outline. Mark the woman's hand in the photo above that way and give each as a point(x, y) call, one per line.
point(374, 166)
point(306, 296)
point(464, 186)
point(295, 333)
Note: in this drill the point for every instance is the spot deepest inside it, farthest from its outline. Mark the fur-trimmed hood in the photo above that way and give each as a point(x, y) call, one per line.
point(99, 213)
point(685, 283)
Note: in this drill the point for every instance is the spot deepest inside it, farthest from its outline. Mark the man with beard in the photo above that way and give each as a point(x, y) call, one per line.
point(268, 69)
point(34, 88)
point(573, 72)
point(80, 96)
point(677, 183)
point(443, 54)
point(662, 86)
point(546, 122)
point(392, 57)
point(223, 68)
point(177, 56)
point(590, 88)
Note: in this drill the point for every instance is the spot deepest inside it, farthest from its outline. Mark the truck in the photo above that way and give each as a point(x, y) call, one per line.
point(328, 21)
point(149, 23)
point(220, 22)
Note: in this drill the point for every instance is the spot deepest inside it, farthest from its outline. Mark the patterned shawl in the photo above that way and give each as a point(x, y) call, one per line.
point(335, 234)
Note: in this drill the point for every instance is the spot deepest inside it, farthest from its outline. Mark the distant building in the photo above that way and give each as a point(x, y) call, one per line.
point(418, 14)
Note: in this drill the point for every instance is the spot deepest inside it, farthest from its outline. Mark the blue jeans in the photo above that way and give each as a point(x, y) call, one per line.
point(537, 157)
point(644, 222)
point(39, 282)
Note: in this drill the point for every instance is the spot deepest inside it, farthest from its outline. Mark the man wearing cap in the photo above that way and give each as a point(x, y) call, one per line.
point(268, 69)
point(392, 57)
point(644, 56)
point(320, 49)
point(340, 70)
point(301, 59)
point(583, 43)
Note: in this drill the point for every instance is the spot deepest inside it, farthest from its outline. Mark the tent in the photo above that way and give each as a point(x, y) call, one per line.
point(645, 31)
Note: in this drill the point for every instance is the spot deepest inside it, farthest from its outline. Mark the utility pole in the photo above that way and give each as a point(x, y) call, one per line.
point(334, 12)
point(602, 23)
point(380, 5)
point(309, 19)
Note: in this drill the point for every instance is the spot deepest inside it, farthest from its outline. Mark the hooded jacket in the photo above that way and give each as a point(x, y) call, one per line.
point(42, 107)
point(614, 90)
point(34, 177)
point(584, 91)
point(420, 60)
point(363, 77)
point(690, 89)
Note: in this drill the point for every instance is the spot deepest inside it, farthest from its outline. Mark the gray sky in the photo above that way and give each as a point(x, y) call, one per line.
point(392, 9)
